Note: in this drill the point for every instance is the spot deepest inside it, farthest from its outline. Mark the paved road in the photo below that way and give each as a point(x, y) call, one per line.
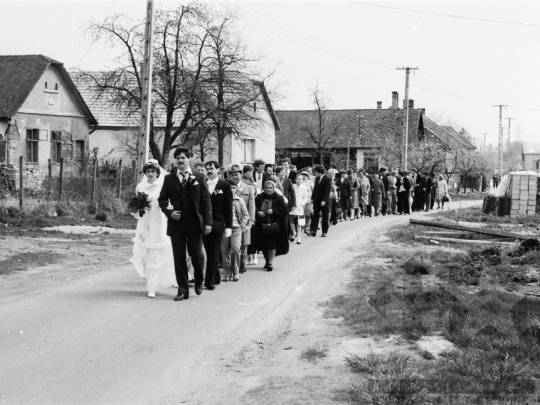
point(99, 340)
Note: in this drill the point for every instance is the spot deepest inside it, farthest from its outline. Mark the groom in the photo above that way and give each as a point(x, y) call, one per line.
point(190, 218)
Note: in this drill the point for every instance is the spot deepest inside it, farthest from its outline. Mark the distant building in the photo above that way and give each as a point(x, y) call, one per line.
point(531, 156)
point(42, 115)
point(257, 143)
point(355, 136)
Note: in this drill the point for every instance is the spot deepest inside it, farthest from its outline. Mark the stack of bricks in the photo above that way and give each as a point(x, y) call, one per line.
point(523, 190)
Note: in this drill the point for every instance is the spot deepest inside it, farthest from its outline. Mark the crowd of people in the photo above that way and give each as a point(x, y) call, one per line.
point(207, 218)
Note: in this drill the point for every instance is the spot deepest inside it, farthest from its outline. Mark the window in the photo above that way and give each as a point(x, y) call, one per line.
point(79, 151)
point(248, 150)
point(32, 142)
point(537, 164)
point(45, 84)
point(56, 86)
point(254, 107)
point(56, 146)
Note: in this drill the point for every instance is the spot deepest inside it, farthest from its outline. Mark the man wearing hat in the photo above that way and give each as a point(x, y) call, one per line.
point(247, 193)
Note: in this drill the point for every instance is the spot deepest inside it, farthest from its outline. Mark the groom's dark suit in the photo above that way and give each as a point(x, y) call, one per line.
point(192, 199)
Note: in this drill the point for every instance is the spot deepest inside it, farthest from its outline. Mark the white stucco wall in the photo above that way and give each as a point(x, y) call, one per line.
point(530, 162)
point(49, 110)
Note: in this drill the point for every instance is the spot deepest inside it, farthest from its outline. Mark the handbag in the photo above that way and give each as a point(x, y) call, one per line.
point(268, 229)
point(446, 198)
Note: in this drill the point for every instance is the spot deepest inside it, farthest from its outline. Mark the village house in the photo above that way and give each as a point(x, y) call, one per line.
point(359, 134)
point(116, 128)
point(531, 156)
point(43, 118)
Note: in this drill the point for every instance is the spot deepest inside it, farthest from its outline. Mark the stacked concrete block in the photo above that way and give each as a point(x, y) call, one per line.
point(523, 190)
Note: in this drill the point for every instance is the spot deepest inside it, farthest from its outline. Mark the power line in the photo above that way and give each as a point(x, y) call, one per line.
point(447, 15)
point(311, 43)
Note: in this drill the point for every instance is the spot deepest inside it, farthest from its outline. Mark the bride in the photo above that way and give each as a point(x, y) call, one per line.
point(152, 251)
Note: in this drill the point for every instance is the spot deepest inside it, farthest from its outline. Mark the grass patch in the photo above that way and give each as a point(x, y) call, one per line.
point(24, 261)
point(496, 334)
point(475, 214)
point(314, 353)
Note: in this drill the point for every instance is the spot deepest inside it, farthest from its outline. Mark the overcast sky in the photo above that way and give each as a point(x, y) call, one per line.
point(465, 64)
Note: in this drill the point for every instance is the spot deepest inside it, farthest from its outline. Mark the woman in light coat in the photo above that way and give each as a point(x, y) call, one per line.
point(365, 192)
point(296, 217)
point(442, 191)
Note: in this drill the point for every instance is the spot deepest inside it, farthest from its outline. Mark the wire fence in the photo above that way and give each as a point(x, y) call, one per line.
point(96, 184)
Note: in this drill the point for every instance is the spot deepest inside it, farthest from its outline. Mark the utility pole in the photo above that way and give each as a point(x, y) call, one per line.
point(406, 129)
point(509, 121)
point(500, 137)
point(143, 142)
point(485, 133)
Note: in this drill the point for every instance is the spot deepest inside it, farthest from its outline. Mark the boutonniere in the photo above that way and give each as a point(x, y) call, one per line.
point(192, 177)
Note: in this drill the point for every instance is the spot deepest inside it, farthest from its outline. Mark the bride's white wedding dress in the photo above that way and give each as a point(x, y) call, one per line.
point(152, 251)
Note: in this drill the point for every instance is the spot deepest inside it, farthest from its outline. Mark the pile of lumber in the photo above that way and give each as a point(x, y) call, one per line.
point(468, 235)
point(523, 189)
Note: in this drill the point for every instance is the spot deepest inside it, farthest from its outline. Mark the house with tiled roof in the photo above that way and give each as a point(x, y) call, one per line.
point(42, 115)
point(359, 134)
point(115, 124)
point(531, 156)
point(464, 141)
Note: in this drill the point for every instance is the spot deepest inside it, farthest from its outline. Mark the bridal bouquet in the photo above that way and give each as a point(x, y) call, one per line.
point(139, 203)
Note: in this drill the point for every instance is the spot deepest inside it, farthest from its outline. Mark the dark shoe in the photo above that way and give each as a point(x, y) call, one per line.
point(269, 267)
point(265, 266)
point(210, 287)
point(217, 281)
point(313, 234)
point(198, 290)
point(298, 242)
point(181, 297)
point(191, 281)
point(323, 235)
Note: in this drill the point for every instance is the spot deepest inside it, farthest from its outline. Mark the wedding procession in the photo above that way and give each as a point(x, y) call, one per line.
point(192, 222)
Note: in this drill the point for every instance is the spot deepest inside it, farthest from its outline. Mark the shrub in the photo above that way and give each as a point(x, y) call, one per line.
point(102, 216)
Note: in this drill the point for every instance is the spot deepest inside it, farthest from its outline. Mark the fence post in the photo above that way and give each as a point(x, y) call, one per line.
point(61, 177)
point(20, 183)
point(50, 168)
point(92, 196)
point(119, 179)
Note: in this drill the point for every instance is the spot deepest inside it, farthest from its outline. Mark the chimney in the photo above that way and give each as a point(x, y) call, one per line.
point(404, 103)
point(395, 98)
point(411, 103)
point(423, 111)
point(379, 105)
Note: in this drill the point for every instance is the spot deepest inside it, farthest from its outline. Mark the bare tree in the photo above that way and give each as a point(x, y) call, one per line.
point(234, 99)
point(178, 65)
point(322, 128)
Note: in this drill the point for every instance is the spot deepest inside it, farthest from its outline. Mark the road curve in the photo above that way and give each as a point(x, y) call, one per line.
point(100, 340)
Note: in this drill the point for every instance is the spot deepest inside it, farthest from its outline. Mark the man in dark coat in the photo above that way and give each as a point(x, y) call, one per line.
point(426, 190)
point(189, 218)
point(319, 198)
point(221, 198)
point(345, 194)
point(383, 176)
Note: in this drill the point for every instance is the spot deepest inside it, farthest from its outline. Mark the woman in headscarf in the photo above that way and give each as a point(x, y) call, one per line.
point(377, 193)
point(271, 224)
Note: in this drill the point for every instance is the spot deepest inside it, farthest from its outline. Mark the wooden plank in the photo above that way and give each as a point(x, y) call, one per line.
point(463, 235)
point(470, 229)
point(465, 241)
